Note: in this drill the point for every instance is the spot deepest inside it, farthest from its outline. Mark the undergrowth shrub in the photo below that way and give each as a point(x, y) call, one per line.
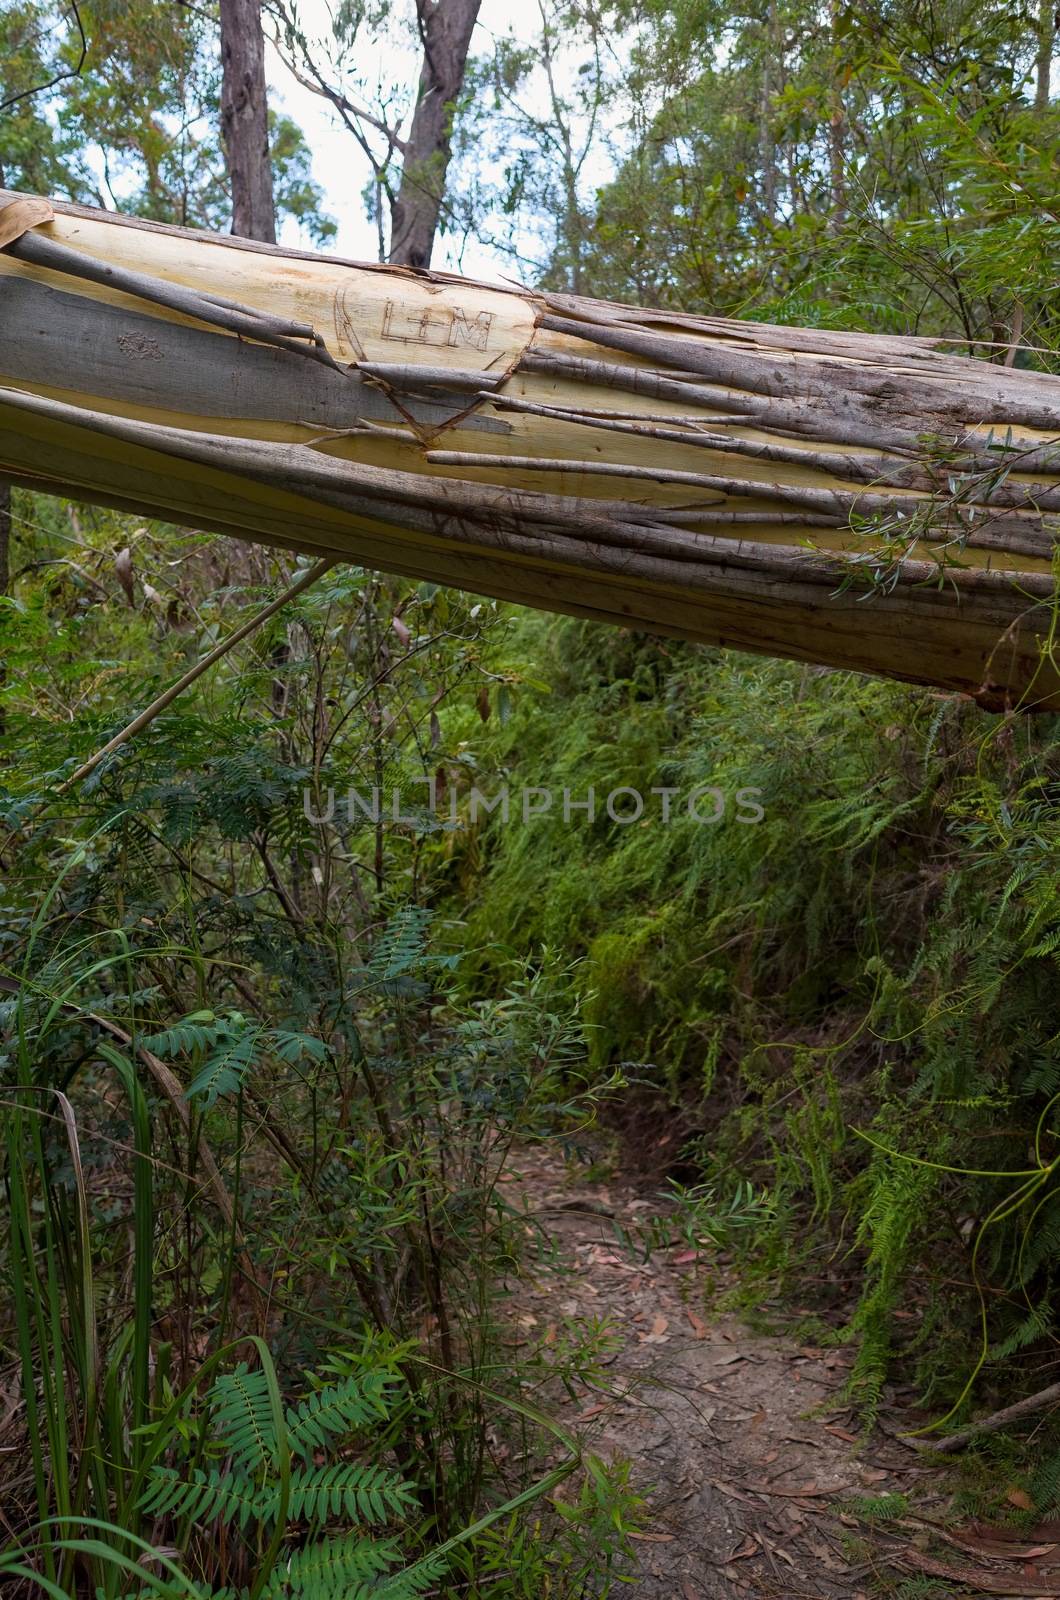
point(247, 1102)
point(853, 1001)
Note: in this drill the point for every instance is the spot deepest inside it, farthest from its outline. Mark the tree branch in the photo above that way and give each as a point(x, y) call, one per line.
point(60, 77)
point(165, 699)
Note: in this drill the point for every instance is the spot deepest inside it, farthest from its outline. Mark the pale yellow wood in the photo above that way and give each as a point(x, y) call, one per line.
point(978, 640)
point(370, 316)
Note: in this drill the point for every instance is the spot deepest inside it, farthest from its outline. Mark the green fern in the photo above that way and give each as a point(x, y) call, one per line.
point(1040, 1244)
point(1045, 1485)
point(199, 1031)
point(332, 1567)
point(291, 1047)
point(1029, 1331)
point(357, 1402)
point(212, 1496)
point(362, 1493)
point(876, 1508)
point(400, 948)
point(1043, 1076)
point(231, 1045)
point(897, 1203)
point(225, 1068)
point(246, 1491)
point(242, 1415)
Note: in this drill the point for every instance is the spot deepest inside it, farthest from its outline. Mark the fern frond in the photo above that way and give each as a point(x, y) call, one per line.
point(360, 1491)
point(1040, 1247)
point(338, 1409)
point(1030, 1330)
point(401, 945)
point(225, 1068)
point(333, 1568)
point(199, 1031)
point(877, 1508)
point(205, 1496)
point(243, 1417)
point(1045, 1486)
point(423, 1574)
point(1047, 946)
point(1043, 1076)
point(290, 1047)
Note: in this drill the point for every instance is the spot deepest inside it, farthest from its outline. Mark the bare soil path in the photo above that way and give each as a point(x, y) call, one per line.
point(742, 1443)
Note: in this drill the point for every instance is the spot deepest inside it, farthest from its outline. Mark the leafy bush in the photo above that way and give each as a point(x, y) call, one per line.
point(876, 956)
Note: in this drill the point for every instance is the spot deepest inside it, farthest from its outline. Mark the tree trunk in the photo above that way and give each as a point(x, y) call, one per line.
point(245, 120)
point(5, 528)
point(766, 141)
point(837, 128)
point(863, 501)
point(1047, 17)
point(5, 577)
point(244, 123)
point(446, 27)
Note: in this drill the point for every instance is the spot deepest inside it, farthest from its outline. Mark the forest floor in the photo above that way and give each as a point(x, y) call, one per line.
point(742, 1443)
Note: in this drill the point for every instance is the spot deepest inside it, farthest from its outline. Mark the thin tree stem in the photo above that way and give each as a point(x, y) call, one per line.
point(165, 699)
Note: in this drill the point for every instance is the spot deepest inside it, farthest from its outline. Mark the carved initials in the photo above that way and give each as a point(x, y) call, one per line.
point(437, 325)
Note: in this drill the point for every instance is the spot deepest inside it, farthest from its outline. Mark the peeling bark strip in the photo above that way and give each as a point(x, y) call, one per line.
point(868, 503)
point(215, 309)
point(49, 341)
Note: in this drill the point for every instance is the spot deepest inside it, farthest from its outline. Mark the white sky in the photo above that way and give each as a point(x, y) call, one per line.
point(341, 169)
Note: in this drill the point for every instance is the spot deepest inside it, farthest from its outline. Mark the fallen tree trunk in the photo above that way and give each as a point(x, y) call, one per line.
point(860, 501)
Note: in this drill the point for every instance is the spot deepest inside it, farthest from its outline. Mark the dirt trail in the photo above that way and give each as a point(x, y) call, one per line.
point(742, 1443)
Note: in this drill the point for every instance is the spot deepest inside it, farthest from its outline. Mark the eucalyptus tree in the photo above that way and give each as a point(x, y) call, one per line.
point(539, 131)
point(119, 105)
point(404, 129)
point(245, 120)
point(887, 167)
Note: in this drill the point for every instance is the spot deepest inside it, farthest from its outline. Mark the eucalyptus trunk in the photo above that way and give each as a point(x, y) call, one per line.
point(860, 501)
point(445, 27)
point(245, 120)
point(1047, 24)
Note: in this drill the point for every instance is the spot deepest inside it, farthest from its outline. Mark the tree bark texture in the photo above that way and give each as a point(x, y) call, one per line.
point(245, 120)
point(446, 27)
point(859, 501)
point(1048, 13)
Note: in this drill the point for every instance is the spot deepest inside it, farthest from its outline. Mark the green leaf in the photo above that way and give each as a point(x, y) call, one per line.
point(243, 1418)
point(339, 1409)
point(223, 1072)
